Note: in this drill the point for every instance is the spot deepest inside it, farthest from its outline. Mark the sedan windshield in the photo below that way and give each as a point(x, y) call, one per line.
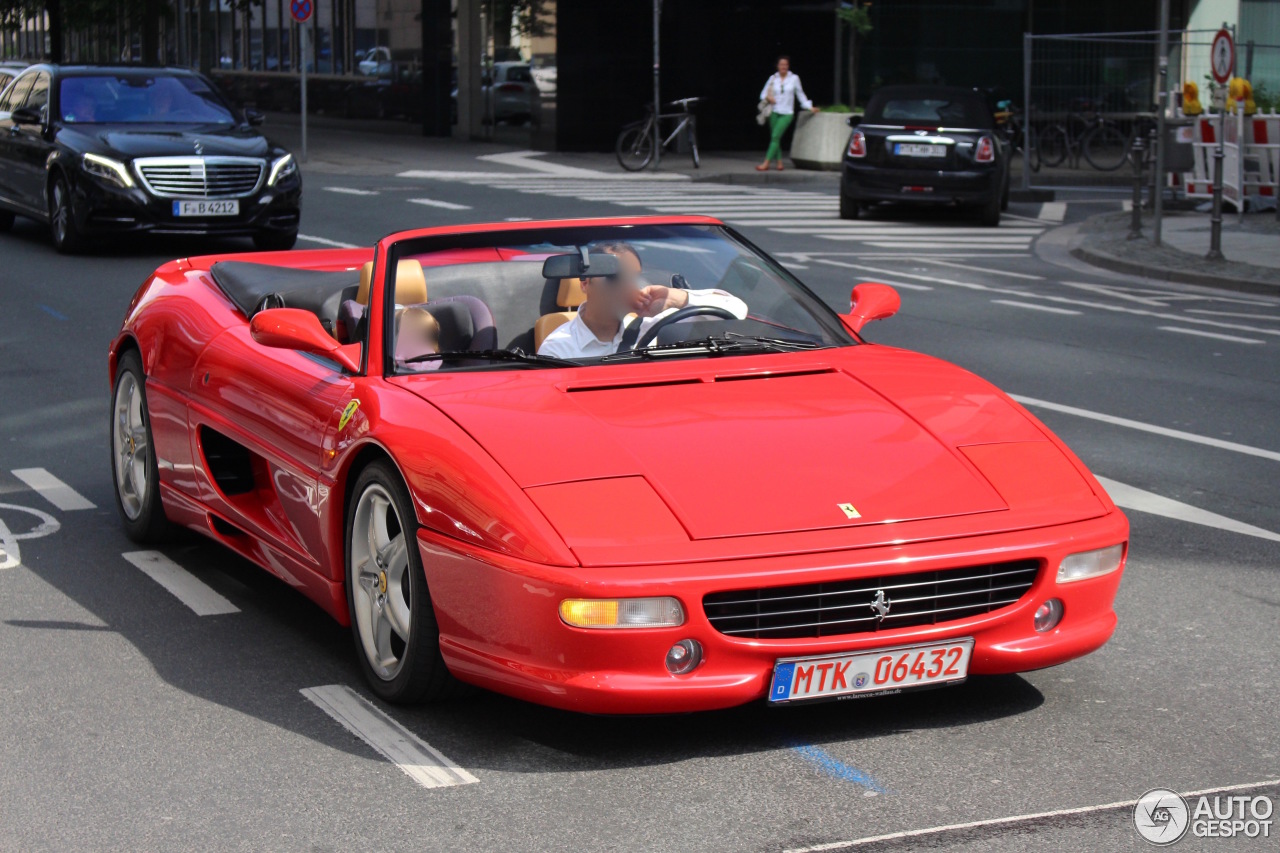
point(135, 99)
point(495, 300)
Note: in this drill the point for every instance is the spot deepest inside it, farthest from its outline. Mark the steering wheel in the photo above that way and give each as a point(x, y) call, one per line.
point(682, 314)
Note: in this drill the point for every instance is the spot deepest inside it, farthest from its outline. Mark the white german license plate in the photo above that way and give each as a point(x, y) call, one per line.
point(206, 208)
point(882, 671)
point(915, 149)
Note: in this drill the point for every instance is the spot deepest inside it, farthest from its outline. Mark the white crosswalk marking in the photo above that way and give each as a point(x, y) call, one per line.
point(184, 586)
point(787, 211)
point(53, 490)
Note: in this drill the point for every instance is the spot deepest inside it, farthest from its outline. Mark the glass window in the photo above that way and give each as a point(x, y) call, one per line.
point(137, 99)
point(519, 74)
point(17, 93)
point(38, 97)
point(939, 110)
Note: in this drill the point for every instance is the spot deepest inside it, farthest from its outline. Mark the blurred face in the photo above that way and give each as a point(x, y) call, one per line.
point(783, 66)
point(616, 295)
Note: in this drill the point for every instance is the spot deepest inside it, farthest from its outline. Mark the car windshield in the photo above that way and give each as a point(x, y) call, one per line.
point(934, 110)
point(484, 301)
point(136, 99)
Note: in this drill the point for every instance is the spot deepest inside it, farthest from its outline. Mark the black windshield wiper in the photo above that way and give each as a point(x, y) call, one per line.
point(493, 355)
point(727, 344)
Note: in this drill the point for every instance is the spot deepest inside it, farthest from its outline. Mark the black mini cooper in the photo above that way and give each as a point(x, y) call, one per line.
point(926, 145)
point(97, 151)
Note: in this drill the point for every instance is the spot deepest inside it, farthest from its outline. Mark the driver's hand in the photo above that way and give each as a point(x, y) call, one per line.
point(656, 298)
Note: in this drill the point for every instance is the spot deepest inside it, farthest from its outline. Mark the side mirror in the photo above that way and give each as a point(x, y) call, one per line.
point(255, 118)
point(296, 329)
point(854, 120)
point(870, 302)
point(26, 115)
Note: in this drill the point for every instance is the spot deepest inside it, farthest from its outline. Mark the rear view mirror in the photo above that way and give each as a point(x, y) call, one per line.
point(871, 301)
point(254, 118)
point(580, 265)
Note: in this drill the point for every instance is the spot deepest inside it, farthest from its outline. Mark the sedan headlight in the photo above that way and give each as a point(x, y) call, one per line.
point(282, 167)
point(109, 170)
point(1090, 564)
point(622, 612)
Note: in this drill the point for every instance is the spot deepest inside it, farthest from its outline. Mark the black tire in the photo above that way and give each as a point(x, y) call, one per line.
point(849, 209)
point(148, 524)
point(1053, 146)
point(67, 238)
point(6, 220)
point(1106, 148)
point(1004, 196)
point(275, 241)
point(635, 147)
point(989, 213)
point(420, 673)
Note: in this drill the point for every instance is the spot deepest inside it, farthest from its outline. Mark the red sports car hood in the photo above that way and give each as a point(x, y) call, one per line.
point(744, 446)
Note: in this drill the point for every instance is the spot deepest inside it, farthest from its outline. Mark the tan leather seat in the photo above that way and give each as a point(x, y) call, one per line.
point(411, 283)
point(569, 297)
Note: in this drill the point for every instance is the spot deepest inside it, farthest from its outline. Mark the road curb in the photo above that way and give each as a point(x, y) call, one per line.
point(1121, 265)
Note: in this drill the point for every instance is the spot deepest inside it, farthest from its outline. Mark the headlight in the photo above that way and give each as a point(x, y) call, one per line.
point(1090, 564)
point(107, 169)
point(622, 612)
point(283, 167)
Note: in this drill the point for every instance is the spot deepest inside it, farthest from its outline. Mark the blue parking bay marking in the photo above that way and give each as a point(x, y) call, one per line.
point(782, 676)
point(837, 769)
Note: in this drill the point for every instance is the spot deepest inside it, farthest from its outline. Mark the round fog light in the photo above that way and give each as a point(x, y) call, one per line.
point(684, 656)
point(1048, 615)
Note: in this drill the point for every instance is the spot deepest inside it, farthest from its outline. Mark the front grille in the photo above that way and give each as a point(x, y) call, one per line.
point(850, 606)
point(201, 177)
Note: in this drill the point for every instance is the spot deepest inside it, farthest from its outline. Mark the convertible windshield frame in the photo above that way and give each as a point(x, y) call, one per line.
point(830, 330)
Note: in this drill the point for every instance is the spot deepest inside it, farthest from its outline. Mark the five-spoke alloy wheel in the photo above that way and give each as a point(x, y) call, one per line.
point(133, 460)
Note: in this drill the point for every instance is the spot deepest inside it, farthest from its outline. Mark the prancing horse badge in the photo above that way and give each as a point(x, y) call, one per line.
point(850, 511)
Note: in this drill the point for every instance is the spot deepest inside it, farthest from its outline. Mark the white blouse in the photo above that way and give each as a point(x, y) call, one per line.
point(785, 92)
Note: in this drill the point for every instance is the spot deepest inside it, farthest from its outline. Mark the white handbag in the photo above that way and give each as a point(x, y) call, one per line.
point(765, 109)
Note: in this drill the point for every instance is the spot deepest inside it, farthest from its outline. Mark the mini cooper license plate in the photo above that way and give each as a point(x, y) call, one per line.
point(915, 149)
point(206, 208)
point(882, 671)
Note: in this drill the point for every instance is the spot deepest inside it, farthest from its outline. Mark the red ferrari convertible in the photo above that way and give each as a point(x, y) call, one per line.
point(735, 499)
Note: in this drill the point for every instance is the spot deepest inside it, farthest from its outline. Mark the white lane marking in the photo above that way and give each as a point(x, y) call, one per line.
point(53, 490)
point(1032, 220)
point(184, 586)
point(901, 284)
point(422, 762)
point(326, 242)
point(1116, 293)
point(518, 219)
point(1214, 335)
point(1232, 314)
point(1053, 211)
point(1208, 441)
point(431, 202)
point(10, 551)
point(524, 160)
point(1131, 497)
point(984, 270)
point(349, 191)
point(1035, 307)
point(1015, 819)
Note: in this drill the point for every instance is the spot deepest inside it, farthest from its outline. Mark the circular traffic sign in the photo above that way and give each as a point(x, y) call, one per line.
point(1222, 56)
point(300, 10)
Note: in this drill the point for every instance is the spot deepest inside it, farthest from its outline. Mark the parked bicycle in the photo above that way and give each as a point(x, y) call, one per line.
point(1011, 125)
point(635, 143)
point(1099, 140)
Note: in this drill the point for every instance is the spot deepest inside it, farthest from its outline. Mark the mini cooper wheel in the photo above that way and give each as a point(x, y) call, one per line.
point(133, 460)
point(67, 238)
point(848, 208)
point(392, 620)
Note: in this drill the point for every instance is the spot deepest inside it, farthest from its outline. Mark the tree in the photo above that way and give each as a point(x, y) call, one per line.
point(857, 18)
point(525, 17)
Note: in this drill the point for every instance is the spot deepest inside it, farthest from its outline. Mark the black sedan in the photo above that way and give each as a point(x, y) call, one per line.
point(926, 145)
point(98, 151)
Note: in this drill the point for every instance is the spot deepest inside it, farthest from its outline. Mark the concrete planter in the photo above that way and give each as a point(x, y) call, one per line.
point(820, 140)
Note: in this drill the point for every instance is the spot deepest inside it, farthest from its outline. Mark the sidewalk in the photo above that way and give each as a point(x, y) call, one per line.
point(1251, 249)
point(356, 147)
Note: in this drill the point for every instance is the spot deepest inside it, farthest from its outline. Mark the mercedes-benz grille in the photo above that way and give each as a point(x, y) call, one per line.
point(869, 604)
point(201, 177)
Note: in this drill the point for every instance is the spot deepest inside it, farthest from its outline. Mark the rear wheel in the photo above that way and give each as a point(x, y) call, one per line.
point(848, 208)
point(275, 241)
point(1053, 146)
point(133, 459)
point(1106, 148)
point(392, 620)
point(635, 147)
point(989, 213)
point(67, 238)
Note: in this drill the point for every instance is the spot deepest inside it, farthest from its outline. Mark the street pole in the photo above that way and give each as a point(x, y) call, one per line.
point(302, 44)
point(835, 89)
point(1215, 218)
point(657, 91)
point(1026, 111)
point(1135, 218)
point(1162, 91)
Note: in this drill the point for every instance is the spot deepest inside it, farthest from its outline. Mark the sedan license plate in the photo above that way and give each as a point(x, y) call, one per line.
point(877, 672)
point(206, 208)
point(914, 149)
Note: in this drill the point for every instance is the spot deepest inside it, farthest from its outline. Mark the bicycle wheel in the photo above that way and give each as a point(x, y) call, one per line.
point(635, 146)
point(1106, 148)
point(693, 144)
point(1053, 146)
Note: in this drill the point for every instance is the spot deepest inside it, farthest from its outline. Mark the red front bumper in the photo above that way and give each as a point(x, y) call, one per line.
point(500, 626)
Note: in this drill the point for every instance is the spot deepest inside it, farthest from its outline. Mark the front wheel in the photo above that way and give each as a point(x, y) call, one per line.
point(67, 238)
point(275, 241)
point(693, 147)
point(133, 460)
point(392, 620)
point(1053, 146)
point(635, 147)
point(1106, 148)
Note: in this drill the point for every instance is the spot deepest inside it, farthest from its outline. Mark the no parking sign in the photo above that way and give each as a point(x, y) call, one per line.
point(300, 10)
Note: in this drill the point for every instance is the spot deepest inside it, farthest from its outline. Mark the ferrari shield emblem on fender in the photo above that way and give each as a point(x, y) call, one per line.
point(850, 511)
point(347, 413)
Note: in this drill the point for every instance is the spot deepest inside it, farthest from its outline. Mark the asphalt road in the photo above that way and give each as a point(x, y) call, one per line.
point(129, 722)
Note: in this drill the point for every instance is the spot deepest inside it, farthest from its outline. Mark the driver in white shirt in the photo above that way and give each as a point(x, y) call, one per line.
point(598, 327)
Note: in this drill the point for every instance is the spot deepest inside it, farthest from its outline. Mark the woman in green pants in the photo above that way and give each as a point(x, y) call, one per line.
point(782, 91)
